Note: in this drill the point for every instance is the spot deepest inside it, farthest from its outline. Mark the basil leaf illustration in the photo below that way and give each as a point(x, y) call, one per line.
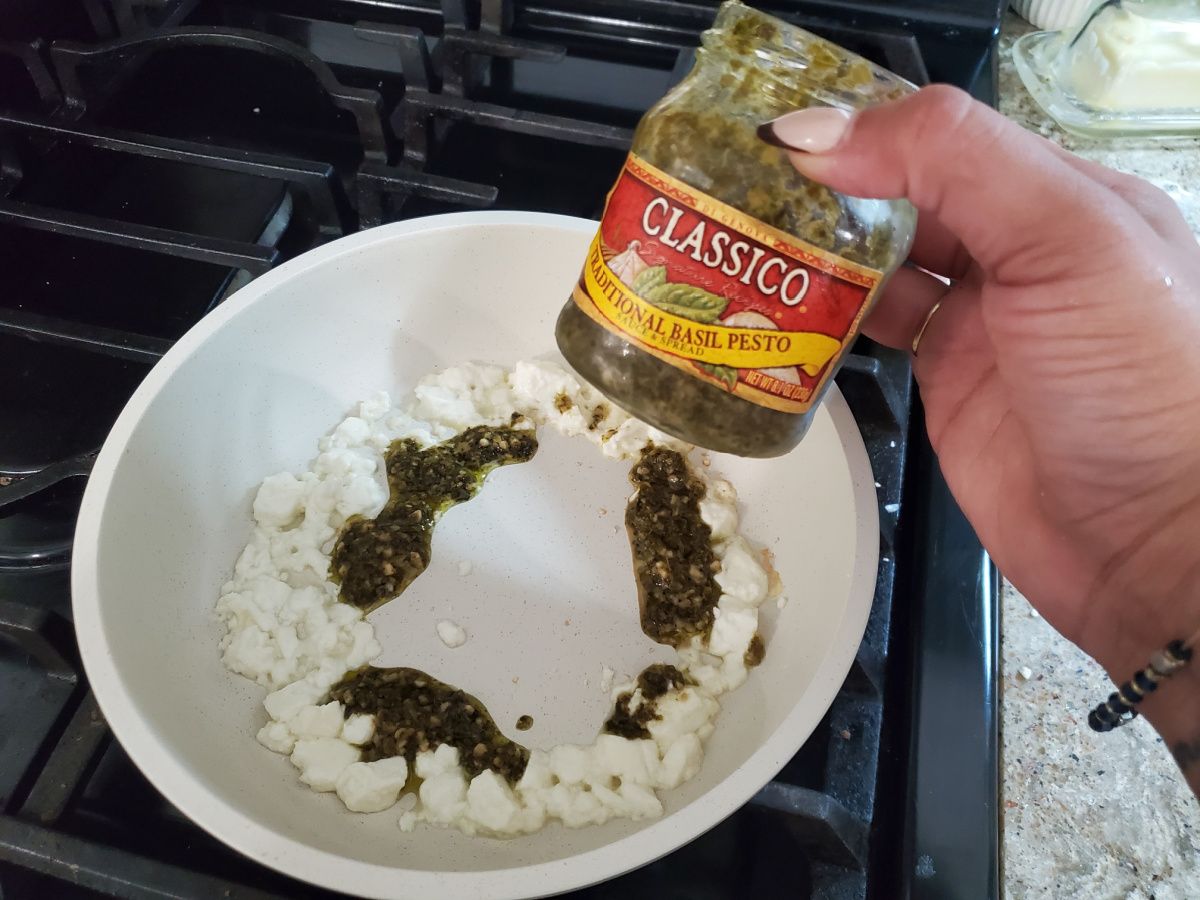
point(687, 301)
point(726, 374)
point(648, 279)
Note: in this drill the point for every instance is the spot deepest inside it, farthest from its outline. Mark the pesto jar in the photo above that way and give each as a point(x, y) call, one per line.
point(723, 288)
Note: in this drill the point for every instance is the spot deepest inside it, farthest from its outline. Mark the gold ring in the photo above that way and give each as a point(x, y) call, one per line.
point(921, 331)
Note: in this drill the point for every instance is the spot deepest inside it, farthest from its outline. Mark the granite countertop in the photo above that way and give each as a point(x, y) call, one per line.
point(1086, 815)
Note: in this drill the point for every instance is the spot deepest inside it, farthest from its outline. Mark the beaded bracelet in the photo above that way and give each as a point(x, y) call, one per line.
point(1121, 706)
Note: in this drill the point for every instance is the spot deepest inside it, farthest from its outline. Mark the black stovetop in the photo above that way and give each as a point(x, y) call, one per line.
point(155, 155)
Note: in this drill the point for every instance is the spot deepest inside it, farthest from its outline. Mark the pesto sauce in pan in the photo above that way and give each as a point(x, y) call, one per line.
point(415, 712)
point(374, 560)
point(655, 681)
point(755, 652)
point(673, 559)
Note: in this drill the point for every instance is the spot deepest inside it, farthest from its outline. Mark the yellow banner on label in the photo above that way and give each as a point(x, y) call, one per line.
point(713, 343)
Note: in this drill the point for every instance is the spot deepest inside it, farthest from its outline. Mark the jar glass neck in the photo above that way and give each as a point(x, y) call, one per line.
point(794, 67)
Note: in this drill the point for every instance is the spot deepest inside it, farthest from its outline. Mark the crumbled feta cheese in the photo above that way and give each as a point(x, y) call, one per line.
point(491, 802)
point(743, 581)
point(322, 760)
point(443, 790)
point(279, 501)
point(732, 632)
point(277, 736)
point(374, 786)
point(681, 761)
point(286, 630)
point(451, 634)
point(318, 721)
point(687, 713)
point(358, 729)
point(286, 702)
point(717, 509)
point(375, 407)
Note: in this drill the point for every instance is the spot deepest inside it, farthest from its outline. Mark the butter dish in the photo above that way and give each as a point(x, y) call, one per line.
point(1131, 68)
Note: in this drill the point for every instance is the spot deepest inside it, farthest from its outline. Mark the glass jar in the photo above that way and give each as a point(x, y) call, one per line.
point(724, 288)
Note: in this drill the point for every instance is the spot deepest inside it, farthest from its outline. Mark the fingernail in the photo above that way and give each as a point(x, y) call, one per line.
point(816, 130)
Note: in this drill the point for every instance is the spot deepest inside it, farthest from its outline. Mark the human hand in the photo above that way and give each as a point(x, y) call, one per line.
point(1060, 373)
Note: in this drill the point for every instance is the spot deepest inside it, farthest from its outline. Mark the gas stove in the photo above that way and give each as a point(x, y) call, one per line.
point(156, 155)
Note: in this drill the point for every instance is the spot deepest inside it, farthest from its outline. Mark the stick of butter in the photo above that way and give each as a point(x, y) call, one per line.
point(1129, 57)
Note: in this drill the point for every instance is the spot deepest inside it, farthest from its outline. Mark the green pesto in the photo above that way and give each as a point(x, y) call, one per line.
point(374, 560)
point(415, 712)
point(655, 681)
point(673, 559)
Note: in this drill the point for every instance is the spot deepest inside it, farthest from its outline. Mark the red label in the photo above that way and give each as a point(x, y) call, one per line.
point(719, 294)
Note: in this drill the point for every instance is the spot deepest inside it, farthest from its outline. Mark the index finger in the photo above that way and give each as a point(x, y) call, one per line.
point(991, 185)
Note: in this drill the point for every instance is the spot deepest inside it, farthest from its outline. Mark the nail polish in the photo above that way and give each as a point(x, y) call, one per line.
point(816, 130)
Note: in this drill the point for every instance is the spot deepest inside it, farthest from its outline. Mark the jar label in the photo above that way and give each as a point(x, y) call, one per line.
point(719, 294)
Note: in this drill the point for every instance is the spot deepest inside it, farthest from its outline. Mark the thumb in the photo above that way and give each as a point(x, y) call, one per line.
point(1006, 194)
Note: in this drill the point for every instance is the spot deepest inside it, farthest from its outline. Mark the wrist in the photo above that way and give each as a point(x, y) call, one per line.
point(1149, 601)
point(1144, 593)
point(1174, 711)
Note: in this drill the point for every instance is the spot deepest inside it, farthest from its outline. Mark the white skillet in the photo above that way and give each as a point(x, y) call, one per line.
point(249, 390)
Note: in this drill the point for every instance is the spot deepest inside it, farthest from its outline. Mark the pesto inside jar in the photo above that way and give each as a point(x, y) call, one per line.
point(750, 69)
